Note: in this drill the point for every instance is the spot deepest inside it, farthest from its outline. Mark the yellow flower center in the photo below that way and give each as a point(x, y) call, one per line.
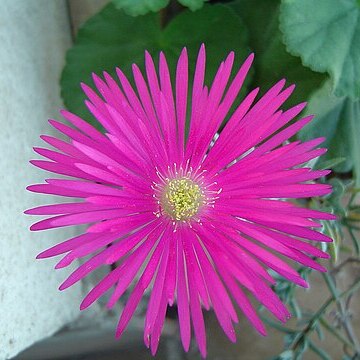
point(181, 198)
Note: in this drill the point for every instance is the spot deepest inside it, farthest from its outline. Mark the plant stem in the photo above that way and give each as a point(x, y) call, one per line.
point(276, 325)
point(336, 333)
point(315, 318)
point(355, 241)
point(320, 352)
point(350, 260)
point(343, 312)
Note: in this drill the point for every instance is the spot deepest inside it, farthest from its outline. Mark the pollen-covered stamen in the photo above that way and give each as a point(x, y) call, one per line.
point(181, 198)
point(184, 194)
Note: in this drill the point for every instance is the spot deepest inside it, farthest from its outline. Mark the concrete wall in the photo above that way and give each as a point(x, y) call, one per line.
point(34, 36)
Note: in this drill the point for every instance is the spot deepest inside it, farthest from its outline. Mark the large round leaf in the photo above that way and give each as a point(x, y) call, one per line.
point(337, 119)
point(326, 35)
point(140, 7)
point(111, 38)
point(272, 61)
point(193, 4)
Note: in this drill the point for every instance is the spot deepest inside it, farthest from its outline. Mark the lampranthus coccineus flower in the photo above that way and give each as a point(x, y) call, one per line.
point(195, 214)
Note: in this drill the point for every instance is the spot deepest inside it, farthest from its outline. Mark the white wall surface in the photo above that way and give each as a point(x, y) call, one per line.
point(34, 35)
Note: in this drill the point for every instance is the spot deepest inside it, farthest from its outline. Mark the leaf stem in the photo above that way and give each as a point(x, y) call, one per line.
point(355, 241)
point(276, 325)
point(351, 260)
point(318, 351)
point(315, 318)
point(343, 311)
point(336, 333)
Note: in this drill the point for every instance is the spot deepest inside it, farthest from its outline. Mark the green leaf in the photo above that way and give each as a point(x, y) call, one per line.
point(326, 35)
point(322, 354)
point(333, 122)
point(319, 331)
point(328, 164)
point(140, 7)
point(354, 119)
point(295, 309)
point(111, 38)
point(286, 355)
point(334, 247)
point(193, 4)
point(190, 29)
point(355, 240)
point(272, 61)
point(276, 325)
point(103, 43)
point(335, 199)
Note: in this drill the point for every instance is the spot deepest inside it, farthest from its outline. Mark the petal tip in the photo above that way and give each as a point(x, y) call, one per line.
point(41, 255)
point(83, 306)
point(63, 286)
point(36, 227)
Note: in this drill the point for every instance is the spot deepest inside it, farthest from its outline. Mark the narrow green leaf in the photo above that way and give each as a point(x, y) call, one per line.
point(326, 35)
point(334, 201)
point(140, 7)
point(339, 188)
point(355, 241)
point(295, 309)
point(335, 244)
point(277, 326)
point(319, 331)
point(286, 355)
point(322, 354)
point(337, 333)
point(329, 164)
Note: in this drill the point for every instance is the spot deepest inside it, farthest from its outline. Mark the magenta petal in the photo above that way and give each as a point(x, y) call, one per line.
point(77, 219)
point(243, 302)
point(129, 310)
point(198, 320)
point(156, 296)
point(195, 268)
point(222, 305)
point(160, 318)
point(139, 289)
point(65, 208)
point(116, 252)
point(181, 94)
point(83, 125)
point(128, 268)
point(67, 245)
point(183, 299)
point(132, 271)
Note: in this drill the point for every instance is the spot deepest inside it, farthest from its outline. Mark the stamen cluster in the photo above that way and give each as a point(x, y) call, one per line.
point(181, 198)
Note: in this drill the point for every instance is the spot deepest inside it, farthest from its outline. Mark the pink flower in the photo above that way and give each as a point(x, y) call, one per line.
point(194, 215)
